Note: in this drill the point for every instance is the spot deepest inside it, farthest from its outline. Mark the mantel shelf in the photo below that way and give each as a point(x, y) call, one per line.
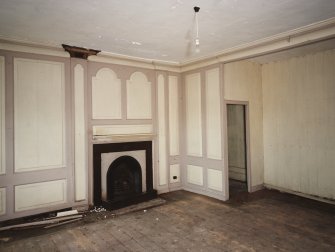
point(122, 138)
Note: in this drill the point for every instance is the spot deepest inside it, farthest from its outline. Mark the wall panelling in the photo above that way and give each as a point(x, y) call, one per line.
point(39, 116)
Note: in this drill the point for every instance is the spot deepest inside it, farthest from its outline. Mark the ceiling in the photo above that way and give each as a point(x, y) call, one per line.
point(155, 29)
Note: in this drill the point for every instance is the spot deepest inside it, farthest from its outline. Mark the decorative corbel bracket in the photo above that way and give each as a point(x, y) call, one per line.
point(79, 52)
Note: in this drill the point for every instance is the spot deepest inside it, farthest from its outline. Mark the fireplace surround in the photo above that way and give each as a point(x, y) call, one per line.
point(126, 180)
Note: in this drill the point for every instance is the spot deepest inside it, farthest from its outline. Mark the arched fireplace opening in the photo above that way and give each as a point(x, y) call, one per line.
point(124, 178)
point(128, 179)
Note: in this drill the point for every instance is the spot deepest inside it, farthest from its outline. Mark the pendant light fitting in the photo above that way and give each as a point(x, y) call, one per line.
point(197, 41)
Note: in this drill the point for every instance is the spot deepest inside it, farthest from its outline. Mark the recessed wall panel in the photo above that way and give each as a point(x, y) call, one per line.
point(2, 116)
point(214, 179)
point(39, 116)
point(175, 173)
point(80, 163)
point(38, 195)
point(106, 95)
point(213, 114)
point(162, 132)
point(193, 115)
point(195, 175)
point(173, 115)
point(2, 201)
point(139, 100)
point(105, 130)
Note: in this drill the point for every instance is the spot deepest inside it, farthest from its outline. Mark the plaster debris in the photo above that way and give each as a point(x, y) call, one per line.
point(67, 213)
point(145, 210)
point(98, 210)
point(157, 219)
point(51, 222)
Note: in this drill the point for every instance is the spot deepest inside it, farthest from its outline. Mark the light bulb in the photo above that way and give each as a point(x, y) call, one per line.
point(197, 42)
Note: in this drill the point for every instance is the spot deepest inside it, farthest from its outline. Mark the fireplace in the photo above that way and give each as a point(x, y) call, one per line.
point(124, 178)
point(122, 174)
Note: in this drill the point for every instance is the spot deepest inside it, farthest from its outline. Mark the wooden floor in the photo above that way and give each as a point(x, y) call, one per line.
point(262, 221)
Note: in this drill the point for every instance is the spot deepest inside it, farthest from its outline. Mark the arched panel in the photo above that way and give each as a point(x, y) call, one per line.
point(106, 95)
point(139, 97)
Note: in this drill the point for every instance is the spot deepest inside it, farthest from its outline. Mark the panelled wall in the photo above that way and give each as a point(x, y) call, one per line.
point(136, 104)
point(36, 145)
point(168, 102)
point(2, 135)
point(121, 103)
point(53, 109)
point(79, 80)
point(202, 133)
point(243, 82)
point(299, 123)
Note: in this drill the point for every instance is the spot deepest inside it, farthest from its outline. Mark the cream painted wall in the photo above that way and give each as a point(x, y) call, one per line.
point(173, 101)
point(173, 142)
point(2, 134)
point(80, 134)
point(213, 114)
point(106, 95)
point(242, 82)
point(299, 123)
point(39, 166)
point(203, 165)
point(2, 115)
point(162, 132)
point(193, 115)
point(139, 97)
point(39, 117)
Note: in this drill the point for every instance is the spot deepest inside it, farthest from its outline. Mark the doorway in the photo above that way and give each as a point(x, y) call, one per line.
point(237, 148)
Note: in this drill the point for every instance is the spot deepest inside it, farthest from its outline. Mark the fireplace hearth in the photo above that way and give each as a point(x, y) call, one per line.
point(121, 178)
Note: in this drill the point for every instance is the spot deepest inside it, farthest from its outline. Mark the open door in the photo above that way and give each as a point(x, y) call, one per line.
point(237, 148)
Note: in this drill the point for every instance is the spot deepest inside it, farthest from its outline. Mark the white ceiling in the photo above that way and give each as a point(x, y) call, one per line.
point(155, 29)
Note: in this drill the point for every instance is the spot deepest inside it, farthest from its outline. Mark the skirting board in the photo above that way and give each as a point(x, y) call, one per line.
point(161, 191)
point(175, 188)
point(329, 201)
point(257, 188)
point(206, 193)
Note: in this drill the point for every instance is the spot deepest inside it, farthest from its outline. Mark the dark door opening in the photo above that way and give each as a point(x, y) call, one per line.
point(237, 148)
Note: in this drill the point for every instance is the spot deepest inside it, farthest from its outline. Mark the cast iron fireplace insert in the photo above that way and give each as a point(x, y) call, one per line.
point(124, 175)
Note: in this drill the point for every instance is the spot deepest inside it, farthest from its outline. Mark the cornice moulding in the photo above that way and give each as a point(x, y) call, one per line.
point(30, 47)
point(297, 37)
point(304, 35)
point(106, 57)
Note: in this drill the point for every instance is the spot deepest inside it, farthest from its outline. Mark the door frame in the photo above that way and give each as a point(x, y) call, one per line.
point(247, 142)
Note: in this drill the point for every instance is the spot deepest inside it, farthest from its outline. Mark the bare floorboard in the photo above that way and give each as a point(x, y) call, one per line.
point(262, 221)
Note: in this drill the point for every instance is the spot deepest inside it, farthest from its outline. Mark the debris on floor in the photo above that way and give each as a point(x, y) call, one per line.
point(140, 206)
point(98, 209)
point(67, 213)
point(55, 219)
point(60, 219)
point(4, 239)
